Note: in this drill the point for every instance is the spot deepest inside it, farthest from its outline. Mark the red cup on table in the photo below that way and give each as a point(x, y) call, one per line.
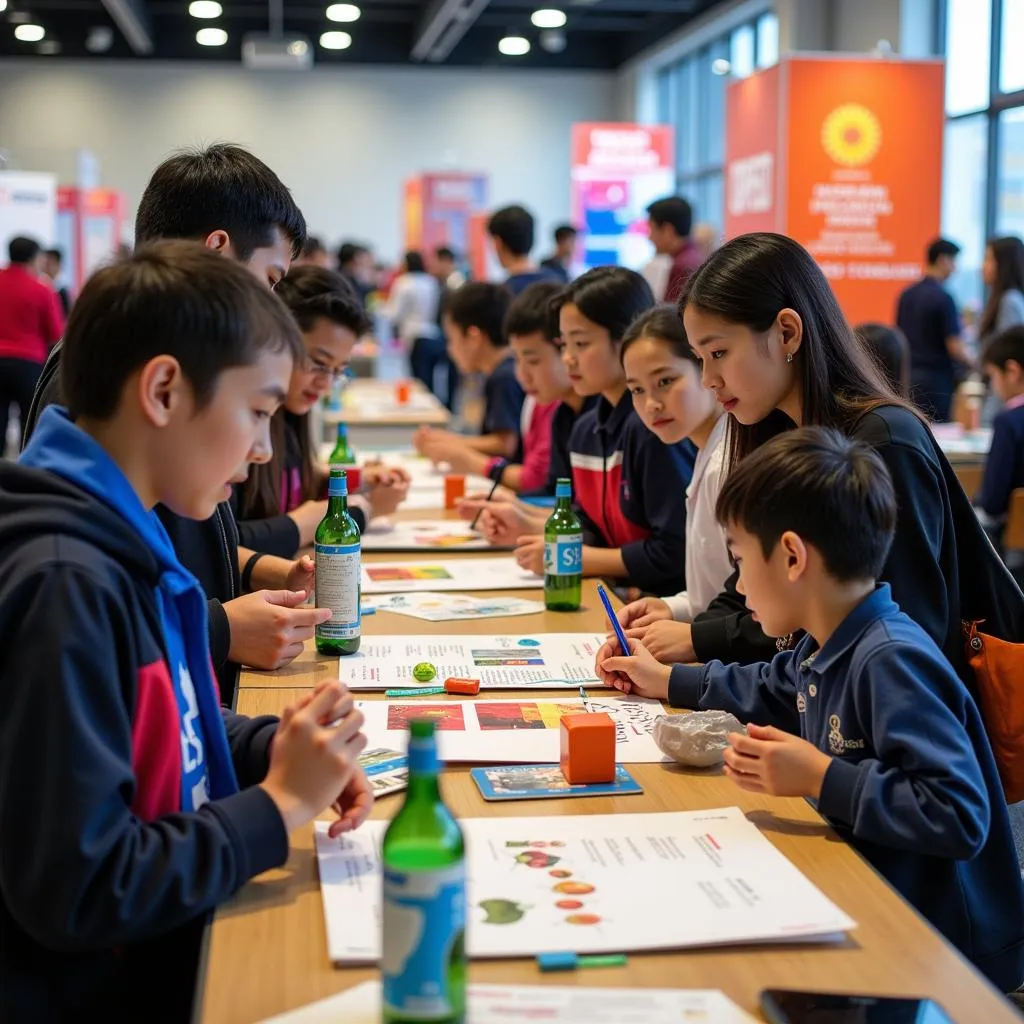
point(454, 489)
point(403, 391)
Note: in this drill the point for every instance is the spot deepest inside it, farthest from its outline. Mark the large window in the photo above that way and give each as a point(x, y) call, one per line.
point(691, 97)
point(983, 167)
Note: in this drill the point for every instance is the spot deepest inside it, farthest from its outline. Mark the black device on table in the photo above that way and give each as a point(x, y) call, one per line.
point(782, 1006)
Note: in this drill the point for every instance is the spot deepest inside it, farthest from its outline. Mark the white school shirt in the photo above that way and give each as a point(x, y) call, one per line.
point(412, 307)
point(707, 554)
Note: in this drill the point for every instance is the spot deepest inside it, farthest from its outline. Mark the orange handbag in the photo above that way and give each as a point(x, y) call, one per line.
point(998, 667)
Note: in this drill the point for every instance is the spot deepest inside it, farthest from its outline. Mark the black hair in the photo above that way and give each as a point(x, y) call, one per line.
point(675, 211)
point(663, 323)
point(444, 253)
point(414, 263)
point(834, 493)
point(532, 311)
point(55, 254)
point(348, 251)
point(23, 250)
point(173, 298)
point(482, 305)
point(563, 232)
point(223, 187)
point(312, 247)
point(1008, 253)
point(514, 226)
point(1006, 345)
point(749, 281)
point(314, 293)
point(941, 247)
point(888, 346)
point(612, 297)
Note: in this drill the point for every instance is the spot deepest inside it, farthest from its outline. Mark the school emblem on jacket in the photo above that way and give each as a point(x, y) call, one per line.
point(837, 743)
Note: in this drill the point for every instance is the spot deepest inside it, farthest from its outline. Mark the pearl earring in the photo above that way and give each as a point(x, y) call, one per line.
point(789, 357)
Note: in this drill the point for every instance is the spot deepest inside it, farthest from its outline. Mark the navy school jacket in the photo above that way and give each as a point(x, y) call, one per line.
point(630, 493)
point(913, 784)
point(104, 883)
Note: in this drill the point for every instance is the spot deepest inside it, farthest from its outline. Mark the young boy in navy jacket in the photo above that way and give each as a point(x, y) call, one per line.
point(866, 716)
point(130, 803)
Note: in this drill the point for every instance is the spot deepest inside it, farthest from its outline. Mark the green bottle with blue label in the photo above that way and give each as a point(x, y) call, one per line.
point(336, 548)
point(423, 963)
point(563, 553)
point(342, 454)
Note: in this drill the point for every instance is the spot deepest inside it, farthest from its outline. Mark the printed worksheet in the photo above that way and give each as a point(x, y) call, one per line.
point(513, 731)
point(387, 771)
point(513, 1004)
point(453, 607)
point(386, 534)
point(543, 661)
point(602, 883)
point(459, 574)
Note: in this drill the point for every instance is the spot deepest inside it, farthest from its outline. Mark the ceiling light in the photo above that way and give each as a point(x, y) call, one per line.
point(3, 6)
point(514, 46)
point(720, 66)
point(29, 33)
point(298, 48)
point(549, 17)
point(343, 12)
point(211, 37)
point(335, 40)
point(205, 9)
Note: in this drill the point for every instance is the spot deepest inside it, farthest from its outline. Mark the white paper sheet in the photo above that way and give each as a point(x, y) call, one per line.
point(513, 731)
point(452, 607)
point(543, 661)
point(594, 884)
point(513, 1004)
point(459, 574)
point(386, 534)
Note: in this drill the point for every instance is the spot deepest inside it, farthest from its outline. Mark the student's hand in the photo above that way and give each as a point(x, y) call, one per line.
point(442, 446)
point(353, 806)
point(307, 518)
point(426, 439)
point(668, 641)
point(768, 760)
point(301, 576)
point(386, 497)
point(642, 613)
point(312, 759)
point(530, 554)
point(468, 505)
point(269, 629)
point(640, 673)
point(377, 473)
point(500, 522)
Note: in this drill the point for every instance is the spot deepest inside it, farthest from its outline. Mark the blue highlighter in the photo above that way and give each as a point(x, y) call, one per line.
point(619, 634)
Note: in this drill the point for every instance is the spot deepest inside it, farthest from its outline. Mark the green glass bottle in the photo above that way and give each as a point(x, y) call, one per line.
point(424, 898)
point(336, 549)
point(342, 454)
point(563, 553)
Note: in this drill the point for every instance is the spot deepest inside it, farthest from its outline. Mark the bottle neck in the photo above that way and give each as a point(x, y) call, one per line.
point(424, 767)
point(337, 505)
point(563, 504)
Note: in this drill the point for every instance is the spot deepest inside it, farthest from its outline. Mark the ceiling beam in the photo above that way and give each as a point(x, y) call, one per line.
point(443, 25)
point(131, 17)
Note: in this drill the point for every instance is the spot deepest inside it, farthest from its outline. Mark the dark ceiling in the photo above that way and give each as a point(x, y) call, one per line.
point(599, 34)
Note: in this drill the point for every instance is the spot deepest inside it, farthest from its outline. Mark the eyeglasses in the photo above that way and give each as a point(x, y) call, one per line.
point(340, 375)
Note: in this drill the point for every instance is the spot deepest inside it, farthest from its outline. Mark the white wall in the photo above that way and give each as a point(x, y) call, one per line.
point(343, 140)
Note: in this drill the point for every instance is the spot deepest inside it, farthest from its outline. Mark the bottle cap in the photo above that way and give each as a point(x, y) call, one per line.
point(337, 485)
point(563, 487)
point(422, 728)
point(557, 961)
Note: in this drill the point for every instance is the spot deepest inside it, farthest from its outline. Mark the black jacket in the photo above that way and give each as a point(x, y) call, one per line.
point(105, 882)
point(208, 549)
point(942, 568)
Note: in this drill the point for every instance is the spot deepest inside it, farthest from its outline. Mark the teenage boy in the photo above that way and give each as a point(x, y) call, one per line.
point(560, 262)
point(474, 320)
point(866, 716)
point(235, 205)
point(132, 803)
point(511, 230)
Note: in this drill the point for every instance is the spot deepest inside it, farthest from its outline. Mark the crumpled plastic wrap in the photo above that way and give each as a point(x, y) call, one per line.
point(698, 739)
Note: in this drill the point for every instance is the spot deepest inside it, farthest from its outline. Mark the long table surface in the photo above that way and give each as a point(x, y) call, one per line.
point(266, 951)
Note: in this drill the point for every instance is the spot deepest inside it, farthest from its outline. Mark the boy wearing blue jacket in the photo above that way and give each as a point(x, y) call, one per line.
point(131, 804)
point(866, 716)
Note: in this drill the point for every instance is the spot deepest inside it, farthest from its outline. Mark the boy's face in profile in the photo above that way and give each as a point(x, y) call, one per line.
point(765, 583)
point(201, 454)
point(462, 345)
point(1008, 381)
point(270, 263)
point(539, 367)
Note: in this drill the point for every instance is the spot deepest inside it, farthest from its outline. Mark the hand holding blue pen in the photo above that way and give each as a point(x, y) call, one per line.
point(613, 618)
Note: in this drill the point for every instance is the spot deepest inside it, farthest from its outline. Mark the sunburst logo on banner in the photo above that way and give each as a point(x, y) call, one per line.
point(851, 135)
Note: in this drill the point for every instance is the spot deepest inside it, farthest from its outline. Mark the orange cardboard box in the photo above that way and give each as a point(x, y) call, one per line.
point(588, 748)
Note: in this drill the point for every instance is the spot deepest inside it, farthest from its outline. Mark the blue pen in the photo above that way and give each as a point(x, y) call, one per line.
point(623, 642)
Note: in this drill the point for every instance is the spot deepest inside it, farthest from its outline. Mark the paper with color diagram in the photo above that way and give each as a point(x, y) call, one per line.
point(512, 731)
point(460, 574)
point(386, 534)
point(387, 771)
point(513, 1004)
point(603, 883)
point(543, 661)
point(453, 607)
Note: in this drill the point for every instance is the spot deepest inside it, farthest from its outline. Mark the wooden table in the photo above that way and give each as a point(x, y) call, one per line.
point(267, 950)
point(376, 420)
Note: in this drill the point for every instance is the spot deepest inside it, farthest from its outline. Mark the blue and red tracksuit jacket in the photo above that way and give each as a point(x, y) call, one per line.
point(630, 493)
point(105, 882)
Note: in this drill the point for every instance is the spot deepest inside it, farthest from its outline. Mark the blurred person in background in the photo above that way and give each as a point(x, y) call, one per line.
point(669, 226)
point(511, 230)
point(888, 347)
point(560, 262)
point(355, 263)
point(53, 262)
point(314, 254)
